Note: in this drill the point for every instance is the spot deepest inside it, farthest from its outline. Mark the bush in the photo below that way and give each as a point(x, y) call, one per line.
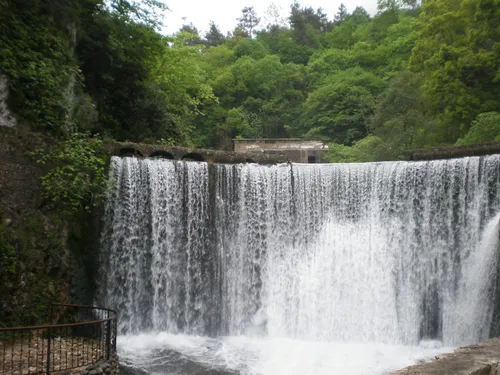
point(37, 58)
point(368, 149)
point(485, 128)
point(77, 180)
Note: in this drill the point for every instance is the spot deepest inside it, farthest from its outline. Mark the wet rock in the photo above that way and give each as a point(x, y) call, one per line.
point(480, 359)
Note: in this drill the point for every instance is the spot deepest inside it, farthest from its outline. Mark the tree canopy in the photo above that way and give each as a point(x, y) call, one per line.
point(416, 74)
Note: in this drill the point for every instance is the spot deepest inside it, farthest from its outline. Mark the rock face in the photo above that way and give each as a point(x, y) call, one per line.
point(480, 359)
point(42, 256)
point(24, 270)
point(6, 117)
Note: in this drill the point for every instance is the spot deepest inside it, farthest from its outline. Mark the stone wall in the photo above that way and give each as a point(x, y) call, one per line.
point(107, 367)
point(295, 149)
point(184, 153)
point(454, 151)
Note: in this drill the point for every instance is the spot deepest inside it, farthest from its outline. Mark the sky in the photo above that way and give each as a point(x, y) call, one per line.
point(225, 12)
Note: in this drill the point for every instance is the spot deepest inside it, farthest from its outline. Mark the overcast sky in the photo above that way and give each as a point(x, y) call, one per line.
point(225, 12)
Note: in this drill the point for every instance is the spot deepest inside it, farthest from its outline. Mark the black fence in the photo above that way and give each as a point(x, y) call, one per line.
point(81, 336)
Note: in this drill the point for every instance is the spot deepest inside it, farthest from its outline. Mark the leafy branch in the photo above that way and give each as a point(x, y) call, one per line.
point(76, 181)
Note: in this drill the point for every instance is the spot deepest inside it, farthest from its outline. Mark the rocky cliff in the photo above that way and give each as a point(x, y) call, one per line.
point(44, 257)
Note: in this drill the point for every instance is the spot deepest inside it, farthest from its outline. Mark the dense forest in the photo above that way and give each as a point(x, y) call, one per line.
point(414, 75)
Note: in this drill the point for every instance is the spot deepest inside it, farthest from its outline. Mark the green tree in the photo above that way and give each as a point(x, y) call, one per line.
point(190, 35)
point(342, 36)
point(338, 111)
point(38, 60)
point(341, 14)
point(248, 21)
point(485, 128)
point(117, 58)
point(328, 62)
point(360, 16)
point(402, 117)
point(395, 5)
point(280, 41)
point(274, 18)
point(213, 36)
point(252, 48)
point(458, 52)
point(308, 26)
point(368, 149)
point(148, 12)
point(77, 182)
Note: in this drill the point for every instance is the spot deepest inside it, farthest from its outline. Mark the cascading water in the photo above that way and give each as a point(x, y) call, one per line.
point(261, 257)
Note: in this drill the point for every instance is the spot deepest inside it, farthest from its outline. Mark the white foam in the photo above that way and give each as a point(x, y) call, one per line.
point(266, 356)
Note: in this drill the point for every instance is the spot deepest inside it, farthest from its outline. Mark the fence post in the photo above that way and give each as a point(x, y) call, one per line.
point(108, 338)
point(114, 328)
point(48, 350)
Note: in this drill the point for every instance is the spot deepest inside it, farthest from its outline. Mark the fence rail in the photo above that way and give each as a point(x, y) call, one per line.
point(81, 336)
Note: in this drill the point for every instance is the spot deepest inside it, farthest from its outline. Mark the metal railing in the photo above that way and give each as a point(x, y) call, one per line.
point(81, 336)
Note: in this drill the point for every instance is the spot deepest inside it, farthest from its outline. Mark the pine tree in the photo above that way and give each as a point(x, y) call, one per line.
point(248, 21)
point(214, 37)
point(341, 15)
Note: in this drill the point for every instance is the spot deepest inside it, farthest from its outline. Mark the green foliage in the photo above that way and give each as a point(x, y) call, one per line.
point(148, 12)
point(341, 15)
point(8, 256)
point(485, 128)
point(308, 25)
point(214, 37)
point(368, 149)
point(248, 21)
point(338, 111)
point(251, 48)
point(458, 53)
point(410, 76)
point(279, 40)
point(33, 266)
point(342, 36)
point(76, 180)
point(402, 117)
point(36, 57)
point(189, 35)
point(239, 120)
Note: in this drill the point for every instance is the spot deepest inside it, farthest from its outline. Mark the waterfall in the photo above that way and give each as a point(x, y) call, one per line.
point(393, 252)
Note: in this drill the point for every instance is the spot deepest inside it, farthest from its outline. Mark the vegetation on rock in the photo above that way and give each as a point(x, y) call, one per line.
point(77, 180)
point(33, 269)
